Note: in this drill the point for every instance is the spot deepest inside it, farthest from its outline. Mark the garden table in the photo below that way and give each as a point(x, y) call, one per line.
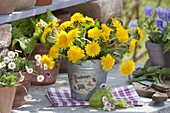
point(41, 104)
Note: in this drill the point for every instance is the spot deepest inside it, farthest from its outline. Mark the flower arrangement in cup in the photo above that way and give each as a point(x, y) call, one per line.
point(83, 38)
point(158, 25)
point(12, 66)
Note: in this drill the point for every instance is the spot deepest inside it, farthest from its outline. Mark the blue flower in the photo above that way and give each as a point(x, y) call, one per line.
point(148, 10)
point(168, 15)
point(161, 12)
point(161, 24)
point(133, 24)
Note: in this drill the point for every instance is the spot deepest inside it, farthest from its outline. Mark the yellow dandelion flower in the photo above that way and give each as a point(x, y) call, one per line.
point(107, 62)
point(77, 17)
point(132, 46)
point(116, 23)
point(53, 23)
point(106, 32)
point(45, 34)
point(65, 25)
point(74, 33)
point(94, 33)
point(89, 20)
point(139, 31)
point(92, 49)
point(48, 60)
point(75, 53)
point(63, 40)
point(127, 67)
point(54, 52)
point(122, 35)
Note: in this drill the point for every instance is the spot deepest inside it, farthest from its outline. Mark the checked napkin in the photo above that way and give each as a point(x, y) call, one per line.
point(61, 97)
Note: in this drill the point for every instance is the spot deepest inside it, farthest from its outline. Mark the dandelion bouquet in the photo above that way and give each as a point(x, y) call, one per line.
point(83, 38)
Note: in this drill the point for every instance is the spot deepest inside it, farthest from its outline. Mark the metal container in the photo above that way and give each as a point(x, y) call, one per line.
point(85, 79)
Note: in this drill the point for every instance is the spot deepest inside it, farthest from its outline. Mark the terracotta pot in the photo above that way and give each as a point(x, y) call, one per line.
point(7, 6)
point(50, 76)
point(63, 66)
point(6, 99)
point(62, 15)
point(43, 2)
point(20, 91)
point(156, 55)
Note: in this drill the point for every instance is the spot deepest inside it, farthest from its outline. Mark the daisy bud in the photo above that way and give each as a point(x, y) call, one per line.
point(45, 67)
point(38, 57)
point(27, 97)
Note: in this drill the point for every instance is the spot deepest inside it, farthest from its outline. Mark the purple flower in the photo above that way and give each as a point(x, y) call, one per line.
point(168, 15)
point(148, 10)
point(161, 24)
point(161, 12)
point(133, 24)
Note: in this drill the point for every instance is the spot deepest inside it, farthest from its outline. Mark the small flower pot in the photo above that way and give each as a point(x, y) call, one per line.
point(6, 99)
point(24, 4)
point(156, 55)
point(43, 2)
point(7, 6)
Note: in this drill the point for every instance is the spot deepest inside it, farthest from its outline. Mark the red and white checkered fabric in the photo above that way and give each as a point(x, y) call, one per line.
point(61, 97)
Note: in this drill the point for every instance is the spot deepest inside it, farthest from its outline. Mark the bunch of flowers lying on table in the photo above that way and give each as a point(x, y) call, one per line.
point(12, 67)
point(158, 25)
point(83, 38)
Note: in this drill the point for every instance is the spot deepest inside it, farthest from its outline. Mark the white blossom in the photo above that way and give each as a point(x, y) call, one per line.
point(40, 78)
point(11, 54)
point(11, 65)
point(29, 70)
point(45, 66)
point(27, 97)
point(38, 57)
point(6, 59)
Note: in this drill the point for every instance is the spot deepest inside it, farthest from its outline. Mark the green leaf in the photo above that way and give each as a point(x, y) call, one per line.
point(28, 45)
point(166, 47)
point(97, 24)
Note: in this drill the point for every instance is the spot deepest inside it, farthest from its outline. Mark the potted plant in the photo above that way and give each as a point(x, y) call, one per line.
point(22, 68)
point(8, 83)
point(157, 27)
point(91, 49)
point(29, 36)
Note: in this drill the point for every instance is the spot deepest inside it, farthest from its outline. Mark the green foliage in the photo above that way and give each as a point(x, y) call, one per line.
point(96, 99)
point(8, 80)
point(154, 73)
point(27, 34)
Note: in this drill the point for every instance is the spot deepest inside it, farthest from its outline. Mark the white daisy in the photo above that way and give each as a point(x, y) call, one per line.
point(104, 99)
point(21, 78)
point(38, 57)
point(11, 65)
point(6, 59)
point(40, 78)
point(27, 97)
point(11, 54)
point(38, 63)
point(29, 70)
point(3, 64)
point(106, 108)
point(45, 66)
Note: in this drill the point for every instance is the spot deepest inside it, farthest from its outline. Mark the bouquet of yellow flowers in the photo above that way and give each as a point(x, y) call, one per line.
point(83, 38)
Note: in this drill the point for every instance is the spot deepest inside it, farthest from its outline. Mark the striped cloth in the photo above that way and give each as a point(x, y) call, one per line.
point(61, 97)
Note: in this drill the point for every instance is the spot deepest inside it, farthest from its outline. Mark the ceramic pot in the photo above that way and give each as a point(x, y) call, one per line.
point(22, 90)
point(43, 2)
point(7, 6)
point(6, 99)
point(50, 76)
point(24, 4)
point(156, 55)
point(85, 79)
